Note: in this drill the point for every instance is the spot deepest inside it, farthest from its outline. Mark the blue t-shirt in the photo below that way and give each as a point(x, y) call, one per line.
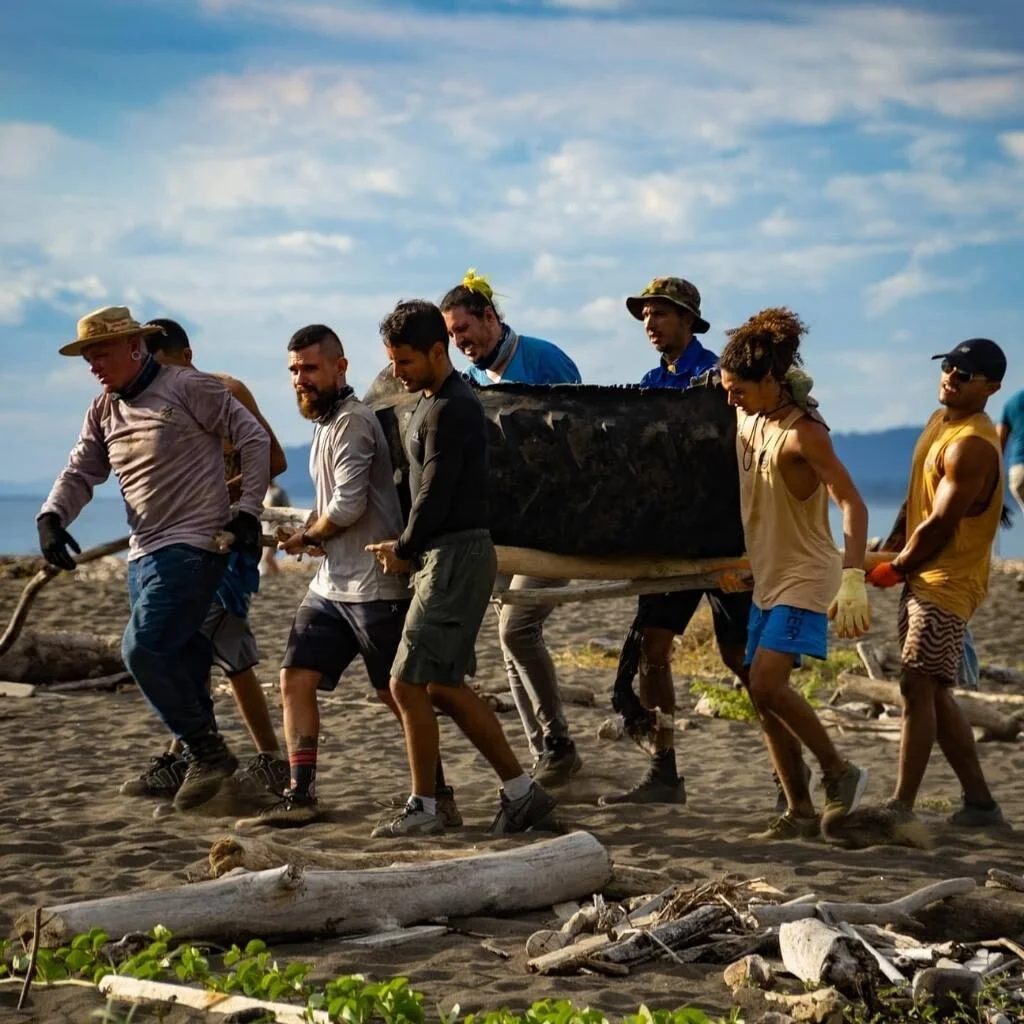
point(1013, 420)
point(694, 361)
point(535, 361)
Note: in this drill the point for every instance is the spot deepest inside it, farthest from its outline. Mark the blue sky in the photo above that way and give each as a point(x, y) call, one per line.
point(250, 166)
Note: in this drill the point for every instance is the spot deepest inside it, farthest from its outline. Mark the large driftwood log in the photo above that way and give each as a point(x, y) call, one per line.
point(291, 901)
point(583, 592)
point(650, 943)
point(899, 911)
point(996, 725)
point(43, 657)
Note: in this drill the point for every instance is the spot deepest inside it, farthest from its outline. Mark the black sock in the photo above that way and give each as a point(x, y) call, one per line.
point(439, 782)
point(664, 764)
point(302, 764)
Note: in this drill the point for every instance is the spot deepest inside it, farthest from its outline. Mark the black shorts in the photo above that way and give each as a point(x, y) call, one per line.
point(327, 635)
point(730, 613)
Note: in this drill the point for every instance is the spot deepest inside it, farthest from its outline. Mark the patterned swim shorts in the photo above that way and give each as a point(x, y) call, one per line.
point(932, 639)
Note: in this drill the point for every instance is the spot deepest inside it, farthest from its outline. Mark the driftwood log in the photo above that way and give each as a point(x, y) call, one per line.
point(899, 911)
point(997, 726)
point(651, 943)
point(816, 952)
point(41, 657)
point(292, 901)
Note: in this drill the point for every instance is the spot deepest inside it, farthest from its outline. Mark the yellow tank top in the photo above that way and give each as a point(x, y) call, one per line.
point(957, 578)
point(792, 555)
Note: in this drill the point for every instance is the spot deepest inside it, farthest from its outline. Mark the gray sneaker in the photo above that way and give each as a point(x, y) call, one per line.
point(413, 821)
point(272, 773)
point(843, 793)
point(163, 778)
point(293, 811)
point(209, 764)
point(559, 762)
point(532, 811)
point(972, 816)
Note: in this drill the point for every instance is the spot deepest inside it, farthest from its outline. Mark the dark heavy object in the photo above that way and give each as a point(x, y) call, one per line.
point(588, 470)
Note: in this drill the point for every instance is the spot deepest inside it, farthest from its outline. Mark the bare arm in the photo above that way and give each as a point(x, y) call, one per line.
point(814, 444)
point(88, 466)
point(1004, 435)
point(968, 468)
point(278, 462)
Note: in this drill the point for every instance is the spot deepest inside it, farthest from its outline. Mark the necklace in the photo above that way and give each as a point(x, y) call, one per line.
point(749, 444)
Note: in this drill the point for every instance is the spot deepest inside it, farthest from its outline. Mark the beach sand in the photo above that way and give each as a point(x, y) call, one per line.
point(68, 835)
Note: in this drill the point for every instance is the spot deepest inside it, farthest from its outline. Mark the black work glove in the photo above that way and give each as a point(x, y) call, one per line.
point(248, 534)
point(54, 541)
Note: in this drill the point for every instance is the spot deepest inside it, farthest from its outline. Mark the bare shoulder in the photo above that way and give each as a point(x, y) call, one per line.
point(970, 454)
point(812, 435)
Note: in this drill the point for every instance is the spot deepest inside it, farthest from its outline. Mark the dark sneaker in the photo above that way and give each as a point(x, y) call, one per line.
point(789, 826)
point(558, 764)
point(447, 811)
point(293, 811)
point(972, 816)
point(653, 788)
point(163, 778)
point(528, 812)
point(272, 773)
point(209, 764)
point(843, 793)
point(413, 821)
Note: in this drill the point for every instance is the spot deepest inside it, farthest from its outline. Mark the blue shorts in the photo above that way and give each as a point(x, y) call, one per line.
point(787, 630)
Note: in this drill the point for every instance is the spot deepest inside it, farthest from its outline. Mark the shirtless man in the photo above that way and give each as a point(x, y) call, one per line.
point(227, 627)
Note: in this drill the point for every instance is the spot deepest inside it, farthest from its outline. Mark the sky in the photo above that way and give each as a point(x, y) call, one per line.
point(251, 166)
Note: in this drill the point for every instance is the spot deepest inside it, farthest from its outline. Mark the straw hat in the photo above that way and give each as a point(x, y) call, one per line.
point(104, 325)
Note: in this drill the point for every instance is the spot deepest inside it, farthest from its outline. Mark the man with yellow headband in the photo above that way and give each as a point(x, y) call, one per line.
point(498, 354)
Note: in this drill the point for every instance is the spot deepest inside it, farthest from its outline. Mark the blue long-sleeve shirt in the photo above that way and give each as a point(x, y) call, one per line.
point(533, 361)
point(694, 360)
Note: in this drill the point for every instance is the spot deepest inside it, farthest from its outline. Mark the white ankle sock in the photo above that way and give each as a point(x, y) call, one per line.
point(516, 789)
point(429, 803)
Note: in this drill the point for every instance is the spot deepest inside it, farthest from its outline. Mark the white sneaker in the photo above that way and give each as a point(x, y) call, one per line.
point(413, 821)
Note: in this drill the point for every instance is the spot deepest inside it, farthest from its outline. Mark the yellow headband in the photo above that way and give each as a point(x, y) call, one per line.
point(478, 283)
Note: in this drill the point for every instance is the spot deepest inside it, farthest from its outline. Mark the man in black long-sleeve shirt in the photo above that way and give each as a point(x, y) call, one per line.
point(447, 546)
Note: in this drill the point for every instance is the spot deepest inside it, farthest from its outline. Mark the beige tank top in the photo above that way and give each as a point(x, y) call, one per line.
point(792, 555)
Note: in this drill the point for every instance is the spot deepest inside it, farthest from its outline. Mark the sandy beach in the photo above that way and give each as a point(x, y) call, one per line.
point(67, 834)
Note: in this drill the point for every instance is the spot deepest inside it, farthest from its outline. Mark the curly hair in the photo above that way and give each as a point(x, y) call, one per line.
point(473, 293)
point(416, 323)
point(767, 343)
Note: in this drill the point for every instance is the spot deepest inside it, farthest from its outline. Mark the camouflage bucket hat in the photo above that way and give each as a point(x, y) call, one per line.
point(675, 290)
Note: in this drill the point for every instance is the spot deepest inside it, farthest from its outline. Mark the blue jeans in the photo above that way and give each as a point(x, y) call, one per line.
point(171, 592)
point(969, 676)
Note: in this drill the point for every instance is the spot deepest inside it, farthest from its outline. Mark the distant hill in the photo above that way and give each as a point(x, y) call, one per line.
point(878, 462)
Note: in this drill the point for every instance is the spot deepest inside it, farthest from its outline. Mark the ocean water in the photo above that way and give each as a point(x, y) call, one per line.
point(103, 519)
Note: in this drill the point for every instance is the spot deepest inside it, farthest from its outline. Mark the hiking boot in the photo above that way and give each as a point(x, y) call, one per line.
point(781, 803)
point(528, 812)
point(658, 786)
point(843, 793)
point(292, 811)
point(413, 821)
point(272, 773)
point(447, 811)
point(789, 826)
point(163, 778)
point(973, 816)
point(209, 764)
point(559, 762)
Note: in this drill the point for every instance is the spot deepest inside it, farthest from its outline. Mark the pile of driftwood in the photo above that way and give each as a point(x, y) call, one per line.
point(872, 702)
point(803, 960)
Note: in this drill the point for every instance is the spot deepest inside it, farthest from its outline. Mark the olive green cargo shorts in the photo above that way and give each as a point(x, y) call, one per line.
point(452, 585)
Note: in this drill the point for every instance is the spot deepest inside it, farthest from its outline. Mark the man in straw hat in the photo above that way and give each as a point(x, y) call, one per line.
point(160, 429)
point(670, 310)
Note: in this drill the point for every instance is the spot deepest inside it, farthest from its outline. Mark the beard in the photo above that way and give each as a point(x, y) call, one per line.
point(315, 403)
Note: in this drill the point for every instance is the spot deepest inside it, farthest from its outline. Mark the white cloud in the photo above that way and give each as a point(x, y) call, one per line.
point(310, 243)
point(25, 148)
point(1013, 143)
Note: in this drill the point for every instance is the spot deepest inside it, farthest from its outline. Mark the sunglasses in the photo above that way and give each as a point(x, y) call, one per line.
point(963, 376)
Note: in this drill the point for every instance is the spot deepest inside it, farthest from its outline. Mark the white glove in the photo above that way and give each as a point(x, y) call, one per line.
point(850, 610)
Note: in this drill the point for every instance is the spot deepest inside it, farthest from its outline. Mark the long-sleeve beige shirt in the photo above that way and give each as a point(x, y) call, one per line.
point(165, 446)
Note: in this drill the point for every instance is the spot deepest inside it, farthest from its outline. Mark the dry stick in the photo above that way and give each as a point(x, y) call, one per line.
point(1005, 880)
point(41, 578)
point(99, 683)
point(37, 927)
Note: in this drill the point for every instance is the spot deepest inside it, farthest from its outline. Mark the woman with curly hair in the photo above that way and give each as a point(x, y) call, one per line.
point(788, 469)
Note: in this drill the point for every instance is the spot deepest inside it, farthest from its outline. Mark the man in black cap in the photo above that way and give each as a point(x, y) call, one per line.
point(954, 504)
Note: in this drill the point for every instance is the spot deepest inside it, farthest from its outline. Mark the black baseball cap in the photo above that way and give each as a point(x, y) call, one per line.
point(978, 355)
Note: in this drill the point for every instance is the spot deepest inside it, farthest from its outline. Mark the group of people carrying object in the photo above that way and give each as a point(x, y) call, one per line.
point(193, 456)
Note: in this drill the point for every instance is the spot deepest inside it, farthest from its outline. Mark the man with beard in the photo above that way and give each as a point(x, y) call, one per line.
point(160, 429)
point(447, 545)
point(953, 508)
point(227, 627)
point(498, 354)
point(352, 607)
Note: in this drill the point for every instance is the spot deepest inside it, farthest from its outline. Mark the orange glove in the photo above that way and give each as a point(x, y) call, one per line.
point(884, 575)
point(732, 582)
